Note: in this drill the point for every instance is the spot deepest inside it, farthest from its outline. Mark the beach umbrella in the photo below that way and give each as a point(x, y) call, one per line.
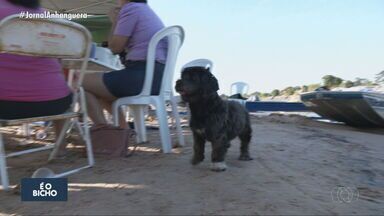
point(99, 26)
point(94, 7)
point(95, 23)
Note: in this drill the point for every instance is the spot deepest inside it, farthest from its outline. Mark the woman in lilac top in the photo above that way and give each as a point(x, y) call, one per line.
point(133, 26)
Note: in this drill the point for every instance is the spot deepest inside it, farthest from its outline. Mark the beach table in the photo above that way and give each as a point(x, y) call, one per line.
point(94, 66)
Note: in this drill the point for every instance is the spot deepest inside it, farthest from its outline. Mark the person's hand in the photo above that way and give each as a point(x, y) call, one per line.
point(113, 14)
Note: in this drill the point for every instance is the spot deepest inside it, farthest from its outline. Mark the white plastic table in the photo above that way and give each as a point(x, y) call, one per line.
point(94, 65)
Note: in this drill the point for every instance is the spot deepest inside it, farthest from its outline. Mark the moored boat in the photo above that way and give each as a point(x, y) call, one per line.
point(359, 109)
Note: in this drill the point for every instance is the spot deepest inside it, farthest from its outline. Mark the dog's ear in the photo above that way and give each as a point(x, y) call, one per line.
point(211, 85)
point(213, 82)
point(179, 86)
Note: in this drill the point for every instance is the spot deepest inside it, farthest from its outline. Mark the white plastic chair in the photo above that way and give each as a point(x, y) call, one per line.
point(137, 104)
point(206, 63)
point(239, 88)
point(54, 38)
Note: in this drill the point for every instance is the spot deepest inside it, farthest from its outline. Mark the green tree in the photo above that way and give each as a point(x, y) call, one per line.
point(275, 93)
point(289, 91)
point(332, 81)
point(256, 94)
point(348, 84)
point(312, 87)
point(264, 95)
point(362, 82)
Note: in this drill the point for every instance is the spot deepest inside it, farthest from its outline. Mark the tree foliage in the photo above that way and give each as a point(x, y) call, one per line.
point(362, 82)
point(264, 95)
point(329, 81)
point(332, 81)
point(312, 87)
point(289, 91)
point(348, 84)
point(275, 93)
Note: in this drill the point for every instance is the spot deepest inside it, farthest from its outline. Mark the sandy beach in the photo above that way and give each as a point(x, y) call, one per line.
point(298, 165)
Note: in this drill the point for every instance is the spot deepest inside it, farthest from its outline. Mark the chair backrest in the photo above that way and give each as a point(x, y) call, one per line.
point(239, 88)
point(206, 63)
point(55, 38)
point(175, 36)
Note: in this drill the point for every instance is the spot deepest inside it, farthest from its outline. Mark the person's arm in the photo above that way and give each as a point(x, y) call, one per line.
point(116, 43)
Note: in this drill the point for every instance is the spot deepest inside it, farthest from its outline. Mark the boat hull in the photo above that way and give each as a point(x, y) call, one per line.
point(359, 109)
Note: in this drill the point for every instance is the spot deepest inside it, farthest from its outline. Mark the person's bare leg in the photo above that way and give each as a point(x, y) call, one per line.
point(93, 83)
point(107, 105)
point(95, 110)
point(96, 91)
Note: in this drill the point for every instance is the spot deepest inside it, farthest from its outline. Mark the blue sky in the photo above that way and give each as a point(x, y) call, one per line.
point(278, 43)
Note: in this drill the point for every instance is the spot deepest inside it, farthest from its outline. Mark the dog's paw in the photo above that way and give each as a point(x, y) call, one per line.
point(219, 167)
point(196, 160)
point(245, 157)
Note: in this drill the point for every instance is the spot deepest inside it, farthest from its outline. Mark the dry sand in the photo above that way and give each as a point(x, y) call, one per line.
point(298, 163)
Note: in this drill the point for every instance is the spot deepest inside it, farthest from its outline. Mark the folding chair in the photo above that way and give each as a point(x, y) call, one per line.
point(239, 88)
point(54, 38)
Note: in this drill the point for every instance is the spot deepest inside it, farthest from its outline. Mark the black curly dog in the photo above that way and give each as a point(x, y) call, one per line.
point(212, 118)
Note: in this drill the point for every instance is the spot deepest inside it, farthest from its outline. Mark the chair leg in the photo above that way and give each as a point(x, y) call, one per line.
point(79, 127)
point(85, 126)
point(138, 116)
point(25, 130)
point(115, 114)
point(161, 113)
point(176, 117)
point(127, 114)
point(88, 143)
point(3, 166)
